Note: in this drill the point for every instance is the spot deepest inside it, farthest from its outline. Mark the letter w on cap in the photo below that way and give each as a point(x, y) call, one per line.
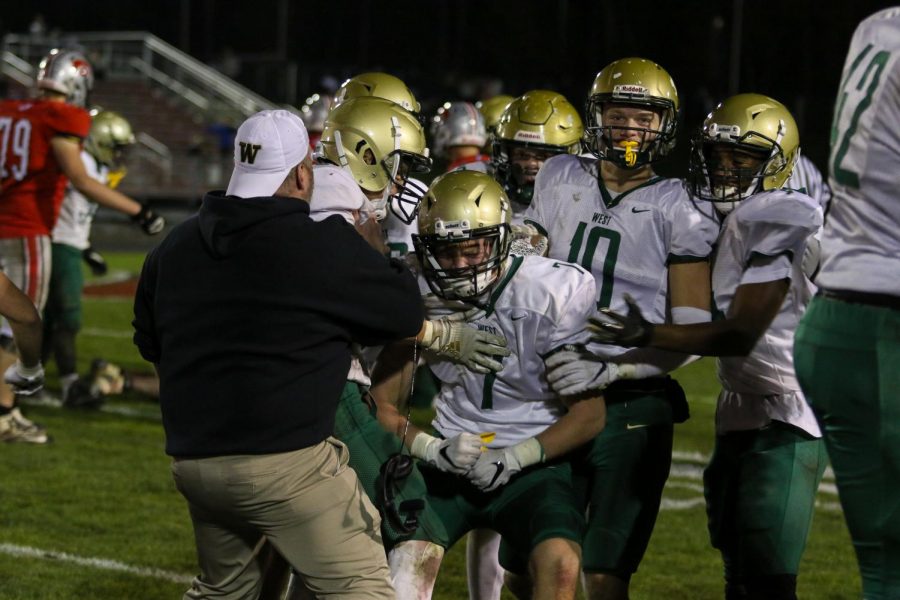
point(248, 152)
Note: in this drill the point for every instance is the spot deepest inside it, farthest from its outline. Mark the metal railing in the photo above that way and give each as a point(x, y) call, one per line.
point(141, 54)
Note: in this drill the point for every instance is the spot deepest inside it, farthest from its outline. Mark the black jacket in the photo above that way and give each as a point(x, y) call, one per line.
point(248, 310)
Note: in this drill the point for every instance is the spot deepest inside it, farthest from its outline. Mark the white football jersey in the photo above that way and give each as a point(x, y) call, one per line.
point(73, 226)
point(860, 240)
point(807, 178)
point(627, 240)
point(538, 305)
point(763, 239)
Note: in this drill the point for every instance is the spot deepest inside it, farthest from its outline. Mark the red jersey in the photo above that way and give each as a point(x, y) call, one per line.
point(31, 182)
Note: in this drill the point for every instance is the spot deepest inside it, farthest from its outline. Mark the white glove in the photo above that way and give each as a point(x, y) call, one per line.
point(574, 371)
point(496, 466)
point(454, 455)
point(455, 339)
point(25, 381)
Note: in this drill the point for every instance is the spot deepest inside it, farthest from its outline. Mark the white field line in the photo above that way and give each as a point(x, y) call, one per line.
point(687, 467)
point(94, 562)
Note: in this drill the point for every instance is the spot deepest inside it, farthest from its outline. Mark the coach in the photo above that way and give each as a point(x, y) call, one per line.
point(248, 310)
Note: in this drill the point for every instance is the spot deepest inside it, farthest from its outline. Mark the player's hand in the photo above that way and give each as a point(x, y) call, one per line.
point(477, 350)
point(95, 261)
point(150, 222)
point(573, 371)
point(25, 381)
point(405, 204)
point(454, 455)
point(496, 466)
point(631, 329)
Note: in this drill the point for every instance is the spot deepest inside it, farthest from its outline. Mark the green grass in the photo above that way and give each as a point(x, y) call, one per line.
point(102, 490)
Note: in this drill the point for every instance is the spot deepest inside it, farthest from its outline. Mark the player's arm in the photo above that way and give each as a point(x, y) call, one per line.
point(67, 153)
point(391, 388)
point(752, 310)
point(585, 419)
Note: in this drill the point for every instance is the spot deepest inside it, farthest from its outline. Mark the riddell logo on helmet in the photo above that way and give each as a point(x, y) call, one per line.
point(528, 136)
point(629, 90)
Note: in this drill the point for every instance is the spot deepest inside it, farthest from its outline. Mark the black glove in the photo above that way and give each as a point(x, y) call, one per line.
point(95, 261)
point(631, 329)
point(149, 221)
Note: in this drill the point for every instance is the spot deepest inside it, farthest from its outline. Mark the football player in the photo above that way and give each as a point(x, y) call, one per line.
point(459, 134)
point(378, 85)
point(533, 127)
point(491, 109)
point(380, 144)
point(42, 140)
point(103, 159)
point(519, 484)
point(847, 348)
point(760, 484)
point(643, 235)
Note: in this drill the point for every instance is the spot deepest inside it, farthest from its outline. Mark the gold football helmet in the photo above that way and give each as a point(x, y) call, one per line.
point(491, 109)
point(632, 82)
point(542, 122)
point(110, 134)
point(464, 235)
point(380, 143)
point(747, 144)
point(379, 85)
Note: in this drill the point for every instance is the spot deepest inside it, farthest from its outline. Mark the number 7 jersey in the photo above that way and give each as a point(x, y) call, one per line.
point(31, 182)
point(627, 240)
point(538, 305)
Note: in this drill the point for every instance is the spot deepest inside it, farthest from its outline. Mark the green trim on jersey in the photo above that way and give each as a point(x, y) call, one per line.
point(537, 226)
point(516, 263)
point(610, 202)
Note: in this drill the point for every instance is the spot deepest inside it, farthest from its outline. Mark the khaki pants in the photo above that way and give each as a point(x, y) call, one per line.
point(308, 504)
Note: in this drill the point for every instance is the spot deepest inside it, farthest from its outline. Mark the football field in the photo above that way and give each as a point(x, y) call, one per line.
point(95, 514)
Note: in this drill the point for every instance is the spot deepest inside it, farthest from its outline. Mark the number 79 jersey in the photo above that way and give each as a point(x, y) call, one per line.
point(627, 241)
point(31, 182)
point(860, 240)
point(538, 305)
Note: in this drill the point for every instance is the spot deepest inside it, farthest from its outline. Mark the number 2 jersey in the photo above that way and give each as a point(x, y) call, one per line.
point(31, 182)
point(538, 305)
point(626, 240)
point(762, 240)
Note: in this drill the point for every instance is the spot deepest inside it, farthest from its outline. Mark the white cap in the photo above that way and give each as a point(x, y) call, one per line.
point(337, 193)
point(266, 147)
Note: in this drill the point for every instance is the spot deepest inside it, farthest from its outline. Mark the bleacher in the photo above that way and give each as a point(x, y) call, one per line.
point(183, 111)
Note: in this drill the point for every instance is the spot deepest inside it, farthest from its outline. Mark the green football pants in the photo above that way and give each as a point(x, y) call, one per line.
point(847, 358)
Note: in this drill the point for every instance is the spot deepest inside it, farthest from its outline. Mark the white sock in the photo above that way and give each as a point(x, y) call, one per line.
point(414, 567)
point(483, 570)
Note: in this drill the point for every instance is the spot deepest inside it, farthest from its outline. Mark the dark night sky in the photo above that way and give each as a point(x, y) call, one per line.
point(792, 50)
